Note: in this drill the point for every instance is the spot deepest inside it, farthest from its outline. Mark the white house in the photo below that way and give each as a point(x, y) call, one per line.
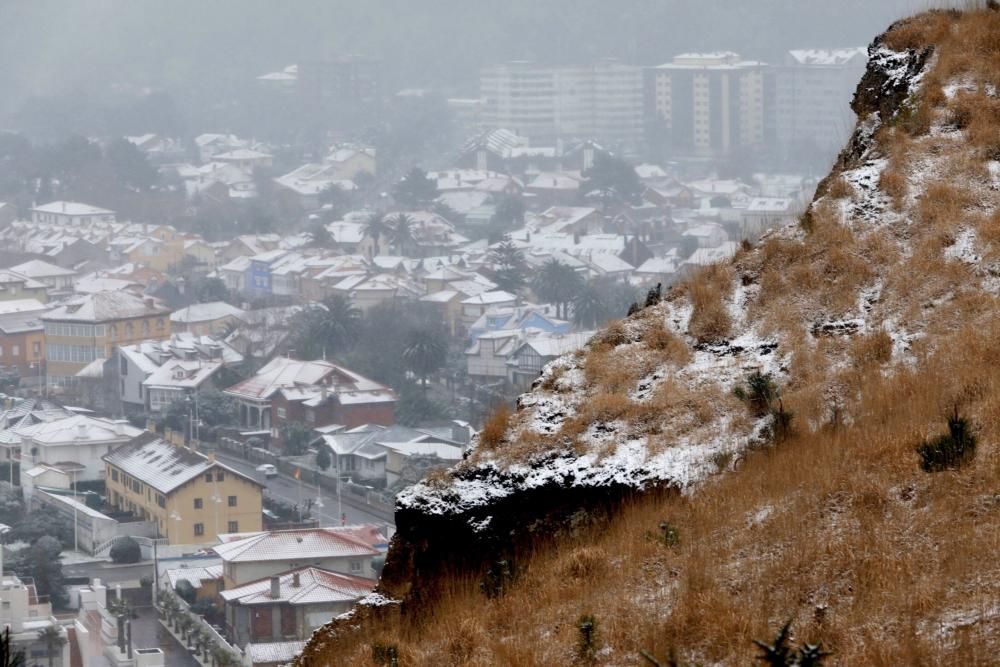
point(78, 439)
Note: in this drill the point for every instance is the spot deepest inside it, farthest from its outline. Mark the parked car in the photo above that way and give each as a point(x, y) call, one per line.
point(268, 470)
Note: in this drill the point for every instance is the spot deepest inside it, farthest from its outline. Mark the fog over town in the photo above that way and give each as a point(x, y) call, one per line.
point(265, 266)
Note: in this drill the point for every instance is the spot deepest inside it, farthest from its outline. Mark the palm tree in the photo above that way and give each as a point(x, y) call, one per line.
point(376, 228)
point(590, 306)
point(558, 283)
point(401, 233)
point(9, 656)
point(425, 352)
point(53, 640)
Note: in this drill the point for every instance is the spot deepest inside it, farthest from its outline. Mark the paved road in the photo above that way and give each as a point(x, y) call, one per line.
point(291, 491)
point(108, 572)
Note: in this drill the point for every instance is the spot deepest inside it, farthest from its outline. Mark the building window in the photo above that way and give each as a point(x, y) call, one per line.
point(234, 527)
point(16, 350)
point(161, 501)
point(232, 501)
point(145, 327)
point(220, 476)
point(114, 475)
point(114, 331)
point(36, 349)
point(198, 503)
point(355, 566)
point(199, 529)
point(208, 477)
point(160, 324)
point(281, 411)
point(129, 330)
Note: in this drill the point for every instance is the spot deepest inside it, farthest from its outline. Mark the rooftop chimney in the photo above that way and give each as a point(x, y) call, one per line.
point(275, 588)
point(150, 302)
point(81, 430)
point(295, 580)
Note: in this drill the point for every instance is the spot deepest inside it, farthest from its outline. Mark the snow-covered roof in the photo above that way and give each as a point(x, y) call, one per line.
point(489, 298)
point(282, 373)
point(182, 374)
point(80, 429)
point(21, 306)
point(299, 544)
point(304, 586)
point(206, 312)
point(37, 268)
point(164, 466)
point(549, 345)
point(106, 306)
point(830, 57)
point(193, 575)
point(71, 208)
point(770, 205)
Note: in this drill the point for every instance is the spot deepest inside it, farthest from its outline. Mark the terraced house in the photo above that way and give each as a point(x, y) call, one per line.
point(86, 329)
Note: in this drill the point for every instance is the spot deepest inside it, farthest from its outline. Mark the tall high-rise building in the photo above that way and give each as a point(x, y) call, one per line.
point(812, 96)
point(706, 105)
point(603, 102)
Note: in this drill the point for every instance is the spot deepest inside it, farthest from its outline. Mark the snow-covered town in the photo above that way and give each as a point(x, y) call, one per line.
point(273, 314)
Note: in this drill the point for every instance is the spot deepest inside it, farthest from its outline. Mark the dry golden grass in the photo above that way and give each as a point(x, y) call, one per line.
point(670, 346)
point(872, 349)
point(921, 31)
point(838, 530)
point(892, 182)
point(710, 321)
point(494, 431)
point(840, 189)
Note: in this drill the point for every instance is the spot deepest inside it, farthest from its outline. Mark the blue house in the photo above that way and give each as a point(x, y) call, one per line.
point(258, 277)
point(521, 318)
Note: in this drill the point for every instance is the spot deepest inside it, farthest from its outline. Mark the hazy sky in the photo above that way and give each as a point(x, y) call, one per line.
point(56, 47)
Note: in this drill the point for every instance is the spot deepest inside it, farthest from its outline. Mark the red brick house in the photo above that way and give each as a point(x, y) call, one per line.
point(314, 393)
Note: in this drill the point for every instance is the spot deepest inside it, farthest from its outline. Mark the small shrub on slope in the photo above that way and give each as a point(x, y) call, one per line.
point(952, 450)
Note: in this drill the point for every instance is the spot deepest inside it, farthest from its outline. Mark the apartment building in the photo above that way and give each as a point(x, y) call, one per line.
point(708, 105)
point(89, 327)
point(813, 91)
point(70, 213)
point(191, 497)
point(602, 101)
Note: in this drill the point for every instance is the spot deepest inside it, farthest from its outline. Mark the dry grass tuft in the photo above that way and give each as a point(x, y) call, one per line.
point(840, 189)
point(871, 349)
point(670, 346)
point(710, 321)
point(892, 182)
point(495, 429)
point(921, 31)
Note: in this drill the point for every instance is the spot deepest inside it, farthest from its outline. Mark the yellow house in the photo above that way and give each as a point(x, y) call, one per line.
point(89, 327)
point(15, 286)
point(191, 497)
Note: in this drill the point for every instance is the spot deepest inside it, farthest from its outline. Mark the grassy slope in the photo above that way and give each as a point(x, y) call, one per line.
point(836, 528)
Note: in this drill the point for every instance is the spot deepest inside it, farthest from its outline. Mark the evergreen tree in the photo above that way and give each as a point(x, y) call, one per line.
point(416, 189)
point(425, 353)
point(509, 267)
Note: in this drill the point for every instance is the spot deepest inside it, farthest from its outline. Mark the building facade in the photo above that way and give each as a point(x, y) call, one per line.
point(190, 497)
point(602, 101)
point(812, 93)
point(89, 327)
point(709, 105)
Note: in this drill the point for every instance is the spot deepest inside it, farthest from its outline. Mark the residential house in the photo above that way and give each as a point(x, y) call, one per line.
point(25, 614)
point(315, 393)
point(474, 307)
point(247, 159)
point(207, 319)
point(16, 286)
point(272, 654)
point(191, 497)
point(70, 213)
point(527, 360)
point(150, 375)
point(576, 220)
point(22, 338)
point(765, 213)
point(86, 328)
point(258, 555)
point(368, 291)
point(308, 183)
point(519, 319)
point(555, 188)
point(79, 439)
point(264, 330)
point(291, 605)
point(58, 279)
point(381, 456)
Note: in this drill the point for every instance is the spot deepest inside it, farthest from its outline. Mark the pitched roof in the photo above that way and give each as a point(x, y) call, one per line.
point(37, 268)
point(206, 312)
point(71, 208)
point(106, 306)
point(315, 586)
point(163, 466)
point(80, 429)
point(300, 544)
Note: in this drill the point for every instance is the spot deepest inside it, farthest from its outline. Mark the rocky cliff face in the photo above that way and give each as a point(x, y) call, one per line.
point(900, 247)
